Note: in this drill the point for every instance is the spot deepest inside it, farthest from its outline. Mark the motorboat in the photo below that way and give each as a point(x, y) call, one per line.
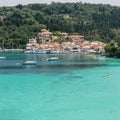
point(30, 62)
point(2, 57)
point(52, 59)
point(28, 51)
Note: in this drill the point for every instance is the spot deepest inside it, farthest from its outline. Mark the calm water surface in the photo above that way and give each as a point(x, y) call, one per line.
point(76, 87)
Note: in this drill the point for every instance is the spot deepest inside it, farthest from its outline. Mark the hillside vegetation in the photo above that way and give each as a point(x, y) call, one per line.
point(95, 22)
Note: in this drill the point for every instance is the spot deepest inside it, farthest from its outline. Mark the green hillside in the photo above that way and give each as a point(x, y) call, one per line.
point(95, 22)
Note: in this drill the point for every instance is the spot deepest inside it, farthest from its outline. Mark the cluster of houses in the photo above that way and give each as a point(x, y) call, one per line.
point(45, 42)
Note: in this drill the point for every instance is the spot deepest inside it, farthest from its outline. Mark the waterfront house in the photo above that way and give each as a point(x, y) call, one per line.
point(31, 44)
point(32, 41)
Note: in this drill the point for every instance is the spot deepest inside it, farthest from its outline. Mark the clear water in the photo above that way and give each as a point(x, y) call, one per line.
point(76, 87)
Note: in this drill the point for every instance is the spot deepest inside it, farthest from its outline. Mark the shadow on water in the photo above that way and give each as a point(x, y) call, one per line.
point(14, 63)
point(58, 68)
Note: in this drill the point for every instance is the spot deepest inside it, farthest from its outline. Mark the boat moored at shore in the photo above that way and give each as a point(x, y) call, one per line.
point(29, 62)
point(52, 59)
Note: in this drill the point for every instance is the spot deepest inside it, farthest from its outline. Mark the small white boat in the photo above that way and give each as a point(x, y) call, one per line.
point(52, 59)
point(2, 57)
point(28, 51)
point(30, 62)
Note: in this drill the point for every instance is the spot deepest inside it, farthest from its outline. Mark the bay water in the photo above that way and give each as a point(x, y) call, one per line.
point(76, 87)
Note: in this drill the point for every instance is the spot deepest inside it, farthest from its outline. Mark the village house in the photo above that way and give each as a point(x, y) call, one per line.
point(98, 46)
point(44, 36)
point(2, 17)
point(31, 44)
point(77, 39)
point(32, 41)
point(64, 35)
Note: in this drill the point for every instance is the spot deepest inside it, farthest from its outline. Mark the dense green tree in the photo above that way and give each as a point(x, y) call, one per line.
point(117, 53)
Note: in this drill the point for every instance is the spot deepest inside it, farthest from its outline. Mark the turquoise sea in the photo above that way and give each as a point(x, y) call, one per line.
point(76, 87)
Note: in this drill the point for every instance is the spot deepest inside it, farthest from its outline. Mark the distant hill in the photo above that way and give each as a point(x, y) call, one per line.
point(94, 21)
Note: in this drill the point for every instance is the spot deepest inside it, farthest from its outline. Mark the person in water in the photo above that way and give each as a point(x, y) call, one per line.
point(106, 76)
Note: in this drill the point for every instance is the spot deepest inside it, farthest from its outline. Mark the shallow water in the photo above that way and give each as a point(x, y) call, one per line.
point(76, 87)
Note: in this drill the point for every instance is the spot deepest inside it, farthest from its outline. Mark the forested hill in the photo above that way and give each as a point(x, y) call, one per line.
point(95, 22)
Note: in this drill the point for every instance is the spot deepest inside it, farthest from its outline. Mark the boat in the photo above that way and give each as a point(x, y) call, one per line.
point(52, 59)
point(30, 62)
point(39, 51)
point(28, 51)
point(2, 57)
